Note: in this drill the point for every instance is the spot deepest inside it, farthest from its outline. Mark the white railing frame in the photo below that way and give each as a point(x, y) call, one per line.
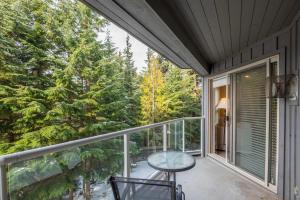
point(183, 136)
point(34, 153)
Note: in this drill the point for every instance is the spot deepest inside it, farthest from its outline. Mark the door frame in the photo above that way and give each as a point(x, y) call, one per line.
point(232, 122)
point(212, 135)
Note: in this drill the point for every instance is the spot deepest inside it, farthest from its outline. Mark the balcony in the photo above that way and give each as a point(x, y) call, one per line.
point(79, 169)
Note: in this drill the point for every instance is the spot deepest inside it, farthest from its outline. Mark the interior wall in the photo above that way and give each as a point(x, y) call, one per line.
point(286, 43)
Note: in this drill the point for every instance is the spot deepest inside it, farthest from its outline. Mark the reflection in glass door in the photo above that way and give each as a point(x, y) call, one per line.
point(220, 116)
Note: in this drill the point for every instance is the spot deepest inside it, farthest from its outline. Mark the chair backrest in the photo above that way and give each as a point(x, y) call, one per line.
point(142, 189)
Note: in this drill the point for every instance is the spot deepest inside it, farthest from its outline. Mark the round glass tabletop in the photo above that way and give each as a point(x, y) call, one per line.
point(171, 161)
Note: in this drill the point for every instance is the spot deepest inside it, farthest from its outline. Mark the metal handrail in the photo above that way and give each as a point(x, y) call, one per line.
point(33, 153)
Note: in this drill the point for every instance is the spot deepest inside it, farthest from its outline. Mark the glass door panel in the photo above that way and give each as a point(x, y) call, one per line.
point(251, 121)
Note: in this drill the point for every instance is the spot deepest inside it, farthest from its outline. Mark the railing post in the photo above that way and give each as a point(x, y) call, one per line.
point(165, 140)
point(202, 136)
point(175, 136)
point(126, 156)
point(3, 178)
point(183, 136)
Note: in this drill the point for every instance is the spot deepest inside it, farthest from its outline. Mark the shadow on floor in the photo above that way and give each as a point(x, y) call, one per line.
point(210, 180)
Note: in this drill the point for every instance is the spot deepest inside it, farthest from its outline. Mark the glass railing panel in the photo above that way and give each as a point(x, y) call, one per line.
point(192, 134)
point(142, 144)
point(175, 136)
point(77, 173)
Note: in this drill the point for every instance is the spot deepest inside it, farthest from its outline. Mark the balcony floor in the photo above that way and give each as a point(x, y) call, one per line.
point(210, 180)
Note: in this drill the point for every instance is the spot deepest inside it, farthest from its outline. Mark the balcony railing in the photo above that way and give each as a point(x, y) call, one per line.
point(79, 169)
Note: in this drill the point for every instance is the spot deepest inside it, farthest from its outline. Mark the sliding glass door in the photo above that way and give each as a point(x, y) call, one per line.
point(244, 121)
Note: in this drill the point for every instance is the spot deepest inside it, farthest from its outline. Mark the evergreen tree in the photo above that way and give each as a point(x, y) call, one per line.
point(28, 55)
point(108, 44)
point(130, 85)
point(58, 83)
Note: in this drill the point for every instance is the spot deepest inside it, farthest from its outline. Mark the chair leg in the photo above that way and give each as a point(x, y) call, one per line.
point(180, 195)
point(183, 196)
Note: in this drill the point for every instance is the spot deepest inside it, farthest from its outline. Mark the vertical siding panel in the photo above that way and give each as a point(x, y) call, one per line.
point(293, 122)
point(216, 68)
point(269, 45)
point(294, 116)
point(222, 66)
point(297, 131)
point(297, 141)
point(287, 155)
point(284, 42)
point(257, 50)
point(246, 55)
point(229, 63)
point(236, 59)
point(298, 58)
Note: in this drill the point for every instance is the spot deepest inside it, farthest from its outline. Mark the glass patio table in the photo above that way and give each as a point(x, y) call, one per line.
point(171, 162)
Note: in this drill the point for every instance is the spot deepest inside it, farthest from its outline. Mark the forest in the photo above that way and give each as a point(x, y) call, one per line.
point(59, 82)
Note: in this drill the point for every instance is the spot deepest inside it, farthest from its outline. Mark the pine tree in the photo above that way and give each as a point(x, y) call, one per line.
point(58, 83)
point(130, 85)
point(27, 60)
point(108, 44)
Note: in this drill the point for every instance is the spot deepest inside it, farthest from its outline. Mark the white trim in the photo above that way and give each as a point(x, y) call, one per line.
point(183, 136)
point(267, 156)
point(202, 137)
point(254, 64)
point(279, 102)
point(275, 187)
point(165, 140)
point(209, 117)
point(233, 118)
point(34, 153)
point(221, 81)
point(126, 172)
point(227, 116)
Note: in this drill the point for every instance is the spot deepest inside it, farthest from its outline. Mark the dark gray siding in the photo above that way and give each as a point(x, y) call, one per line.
point(219, 28)
point(286, 43)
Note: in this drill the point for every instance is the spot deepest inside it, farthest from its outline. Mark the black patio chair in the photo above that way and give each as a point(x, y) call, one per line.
point(145, 189)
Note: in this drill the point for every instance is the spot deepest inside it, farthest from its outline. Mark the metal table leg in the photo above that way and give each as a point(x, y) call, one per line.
point(174, 177)
point(173, 174)
point(168, 176)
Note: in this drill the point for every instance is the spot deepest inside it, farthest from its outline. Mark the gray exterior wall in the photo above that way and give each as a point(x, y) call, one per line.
point(286, 43)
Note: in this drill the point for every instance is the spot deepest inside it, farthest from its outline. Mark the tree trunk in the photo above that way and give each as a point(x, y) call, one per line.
point(87, 189)
point(71, 194)
point(87, 183)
